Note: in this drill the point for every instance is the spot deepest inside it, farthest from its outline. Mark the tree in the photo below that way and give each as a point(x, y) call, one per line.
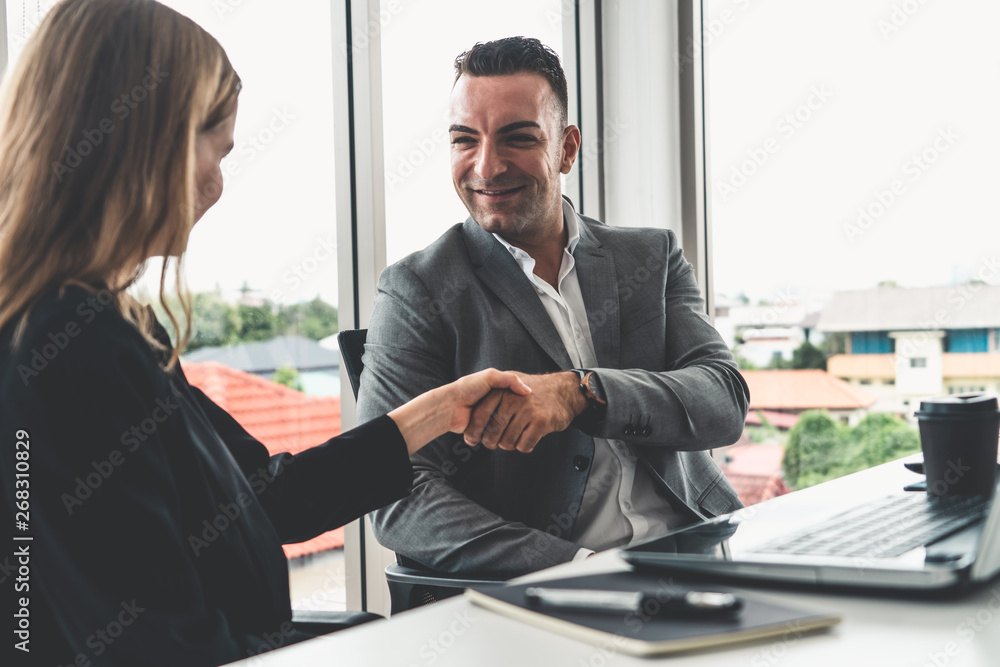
point(884, 437)
point(819, 449)
point(213, 321)
point(834, 343)
point(315, 319)
point(288, 376)
point(808, 355)
point(813, 449)
point(257, 323)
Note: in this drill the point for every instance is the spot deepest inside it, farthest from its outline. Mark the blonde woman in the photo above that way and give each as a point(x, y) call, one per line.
point(156, 521)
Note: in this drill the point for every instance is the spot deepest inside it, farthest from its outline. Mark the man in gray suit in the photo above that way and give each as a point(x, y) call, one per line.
point(631, 384)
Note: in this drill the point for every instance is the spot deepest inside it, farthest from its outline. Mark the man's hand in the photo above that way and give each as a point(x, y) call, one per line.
point(448, 408)
point(509, 421)
point(464, 395)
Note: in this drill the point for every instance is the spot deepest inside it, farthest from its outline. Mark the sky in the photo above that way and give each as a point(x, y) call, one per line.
point(850, 142)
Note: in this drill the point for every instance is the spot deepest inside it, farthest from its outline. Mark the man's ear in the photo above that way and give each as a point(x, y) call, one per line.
point(570, 148)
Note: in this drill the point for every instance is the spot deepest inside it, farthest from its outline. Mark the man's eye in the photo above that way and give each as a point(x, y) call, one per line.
point(462, 140)
point(522, 138)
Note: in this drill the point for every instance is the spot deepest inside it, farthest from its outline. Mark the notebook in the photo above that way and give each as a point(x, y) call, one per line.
point(926, 544)
point(643, 633)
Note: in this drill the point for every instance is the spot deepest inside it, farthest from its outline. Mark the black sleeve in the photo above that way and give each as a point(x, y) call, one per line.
point(112, 581)
point(323, 487)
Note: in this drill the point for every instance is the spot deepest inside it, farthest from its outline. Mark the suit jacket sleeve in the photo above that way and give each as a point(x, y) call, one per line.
point(407, 353)
point(699, 400)
point(322, 487)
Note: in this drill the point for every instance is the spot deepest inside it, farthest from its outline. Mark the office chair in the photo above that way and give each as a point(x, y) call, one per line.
point(410, 583)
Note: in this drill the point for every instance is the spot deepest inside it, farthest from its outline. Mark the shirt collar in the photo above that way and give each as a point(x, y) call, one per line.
point(572, 230)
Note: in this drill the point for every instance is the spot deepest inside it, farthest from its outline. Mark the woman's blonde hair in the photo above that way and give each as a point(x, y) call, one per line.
point(98, 121)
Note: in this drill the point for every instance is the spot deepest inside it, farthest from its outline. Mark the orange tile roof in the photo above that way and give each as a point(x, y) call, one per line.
point(754, 470)
point(803, 390)
point(753, 489)
point(283, 419)
point(776, 419)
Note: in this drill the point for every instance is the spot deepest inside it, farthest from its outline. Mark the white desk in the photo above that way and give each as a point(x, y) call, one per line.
point(874, 632)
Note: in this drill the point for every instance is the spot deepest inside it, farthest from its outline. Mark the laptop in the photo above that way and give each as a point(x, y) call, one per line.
point(841, 535)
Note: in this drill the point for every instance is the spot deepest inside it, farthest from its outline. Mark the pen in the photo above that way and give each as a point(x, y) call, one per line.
point(681, 603)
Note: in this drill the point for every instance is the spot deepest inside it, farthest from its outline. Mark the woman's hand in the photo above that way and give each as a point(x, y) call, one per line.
point(448, 408)
point(466, 392)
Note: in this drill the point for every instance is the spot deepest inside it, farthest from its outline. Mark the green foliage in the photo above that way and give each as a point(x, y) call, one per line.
point(315, 319)
point(257, 323)
point(213, 321)
point(216, 322)
point(742, 363)
point(834, 343)
point(820, 449)
point(288, 376)
point(806, 355)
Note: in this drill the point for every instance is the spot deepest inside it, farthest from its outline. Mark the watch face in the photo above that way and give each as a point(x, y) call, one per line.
point(594, 387)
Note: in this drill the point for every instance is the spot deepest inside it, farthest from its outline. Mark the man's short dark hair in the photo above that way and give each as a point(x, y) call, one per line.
point(514, 55)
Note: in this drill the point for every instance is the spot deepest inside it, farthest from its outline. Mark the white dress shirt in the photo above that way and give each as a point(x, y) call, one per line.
point(621, 502)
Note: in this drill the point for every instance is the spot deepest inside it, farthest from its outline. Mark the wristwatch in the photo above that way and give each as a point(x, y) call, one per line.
point(591, 419)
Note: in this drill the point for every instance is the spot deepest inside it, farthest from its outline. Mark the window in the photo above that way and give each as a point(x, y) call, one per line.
point(417, 76)
point(849, 151)
point(269, 246)
point(262, 263)
point(968, 340)
point(871, 342)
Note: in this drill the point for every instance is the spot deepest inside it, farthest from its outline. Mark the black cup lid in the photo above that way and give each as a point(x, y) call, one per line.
point(958, 405)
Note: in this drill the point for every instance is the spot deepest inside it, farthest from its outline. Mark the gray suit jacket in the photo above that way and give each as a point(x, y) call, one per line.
point(462, 305)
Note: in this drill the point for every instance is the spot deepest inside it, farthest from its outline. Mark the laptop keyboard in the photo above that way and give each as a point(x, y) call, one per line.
point(883, 528)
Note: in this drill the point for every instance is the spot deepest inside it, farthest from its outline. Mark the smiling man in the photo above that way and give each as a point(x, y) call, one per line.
point(631, 384)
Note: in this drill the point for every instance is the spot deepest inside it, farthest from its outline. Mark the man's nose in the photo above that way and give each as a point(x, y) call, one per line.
point(490, 162)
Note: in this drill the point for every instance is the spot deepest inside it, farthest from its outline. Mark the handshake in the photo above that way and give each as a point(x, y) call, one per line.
point(494, 408)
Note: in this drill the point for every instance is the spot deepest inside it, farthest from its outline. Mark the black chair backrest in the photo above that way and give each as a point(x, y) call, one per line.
point(352, 346)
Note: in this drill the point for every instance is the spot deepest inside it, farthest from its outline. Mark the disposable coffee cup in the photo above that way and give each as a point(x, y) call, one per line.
point(958, 435)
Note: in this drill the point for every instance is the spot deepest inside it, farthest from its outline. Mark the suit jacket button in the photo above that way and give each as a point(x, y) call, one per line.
point(580, 463)
point(647, 431)
point(628, 429)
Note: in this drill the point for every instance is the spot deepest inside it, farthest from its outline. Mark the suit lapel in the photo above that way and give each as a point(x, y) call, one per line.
point(595, 269)
point(500, 273)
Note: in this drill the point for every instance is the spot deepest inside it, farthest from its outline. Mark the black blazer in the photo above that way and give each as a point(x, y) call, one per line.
point(157, 521)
